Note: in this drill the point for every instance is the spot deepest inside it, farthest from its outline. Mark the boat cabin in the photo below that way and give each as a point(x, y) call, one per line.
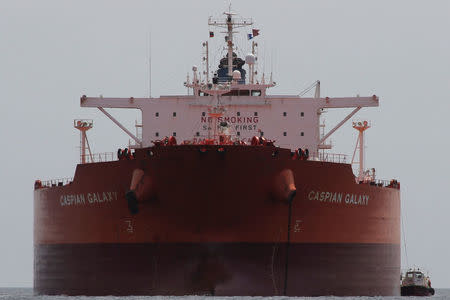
point(415, 277)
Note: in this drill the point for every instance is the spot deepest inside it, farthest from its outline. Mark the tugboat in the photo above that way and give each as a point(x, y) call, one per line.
point(415, 283)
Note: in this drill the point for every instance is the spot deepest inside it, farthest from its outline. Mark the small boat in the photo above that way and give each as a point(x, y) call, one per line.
point(415, 283)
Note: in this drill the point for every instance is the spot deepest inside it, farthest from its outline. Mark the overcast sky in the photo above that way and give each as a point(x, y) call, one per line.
point(52, 52)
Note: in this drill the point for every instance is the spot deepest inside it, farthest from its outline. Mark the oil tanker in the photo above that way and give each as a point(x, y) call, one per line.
point(224, 191)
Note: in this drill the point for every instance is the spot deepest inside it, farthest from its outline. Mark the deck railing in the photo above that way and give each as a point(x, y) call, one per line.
point(330, 157)
point(56, 182)
point(100, 157)
point(381, 183)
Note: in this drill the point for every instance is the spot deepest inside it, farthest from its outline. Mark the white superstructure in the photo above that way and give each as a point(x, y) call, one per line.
point(292, 121)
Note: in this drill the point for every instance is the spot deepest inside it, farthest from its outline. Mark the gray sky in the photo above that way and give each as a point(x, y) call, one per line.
point(52, 52)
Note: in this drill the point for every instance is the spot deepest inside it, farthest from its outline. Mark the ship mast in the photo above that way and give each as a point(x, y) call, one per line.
point(361, 127)
point(230, 23)
point(215, 112)
point(83, 126)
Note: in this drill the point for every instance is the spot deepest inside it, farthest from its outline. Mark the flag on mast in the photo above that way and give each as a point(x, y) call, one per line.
point(255, 32)
point(250, 36)
point(211, 34)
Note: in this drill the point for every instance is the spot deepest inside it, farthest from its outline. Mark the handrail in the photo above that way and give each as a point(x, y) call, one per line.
point(381, 183)
point(56, 182)
point(330, 157)
point(100, 157)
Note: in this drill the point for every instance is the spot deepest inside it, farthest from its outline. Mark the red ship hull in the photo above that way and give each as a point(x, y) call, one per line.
point(217, 223)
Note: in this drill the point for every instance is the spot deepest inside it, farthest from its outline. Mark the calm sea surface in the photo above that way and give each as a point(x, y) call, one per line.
point(27, 293)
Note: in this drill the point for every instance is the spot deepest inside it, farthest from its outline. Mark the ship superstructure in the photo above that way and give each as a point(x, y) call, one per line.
point(227, 191)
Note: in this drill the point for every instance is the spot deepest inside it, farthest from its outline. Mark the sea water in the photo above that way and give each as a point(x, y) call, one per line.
point(27, 293)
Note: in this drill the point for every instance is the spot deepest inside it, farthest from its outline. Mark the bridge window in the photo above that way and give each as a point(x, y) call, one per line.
point(197, 133)
point(157, 134)
point(157, 114)
point(302, 114)
point(302, 133)
point(262, 133)
point(238, 114)
point(284, 114)
point(237, 93)
point(285, 133)
point(174, 114)
point(255, 113)
point(238, 133)
point(174, 133)
point(203, 114)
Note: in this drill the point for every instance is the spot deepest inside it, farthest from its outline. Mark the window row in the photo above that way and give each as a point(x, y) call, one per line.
point(236, 93)
point(174, 114)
